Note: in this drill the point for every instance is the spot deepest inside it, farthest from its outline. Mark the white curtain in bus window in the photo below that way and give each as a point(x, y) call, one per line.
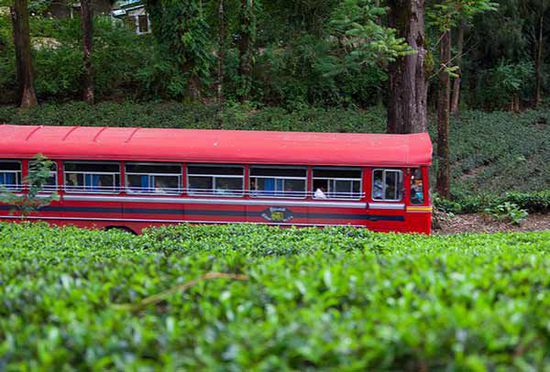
point(215, 180)
point(417, 187)
point(387, 185)
point(153, 178)
point(94, 177)
point(51, 182)
point(337, 183)
point(10, 175)
point(278, 182)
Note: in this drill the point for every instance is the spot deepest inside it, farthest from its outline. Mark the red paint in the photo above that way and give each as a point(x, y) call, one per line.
point(216, 146)
point(183, 146)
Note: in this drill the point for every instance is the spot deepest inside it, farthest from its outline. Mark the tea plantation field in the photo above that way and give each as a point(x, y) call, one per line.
point(251, 297)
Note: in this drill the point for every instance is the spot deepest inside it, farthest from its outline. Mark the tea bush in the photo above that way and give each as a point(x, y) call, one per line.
point(534, 202)
point(306, 299)
point(508, 212)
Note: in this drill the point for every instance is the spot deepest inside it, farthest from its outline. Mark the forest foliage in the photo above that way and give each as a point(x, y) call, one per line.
point(327, 53)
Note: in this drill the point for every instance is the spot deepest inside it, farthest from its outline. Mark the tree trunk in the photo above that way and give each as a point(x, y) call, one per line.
point(538, 61)
point(443, 96)
point(87, 30)
point(455, 101)
point(514, 105)
point(221, 51)
point(407, 111)
point(221, 60)
point(23, 56)
point(246, 40)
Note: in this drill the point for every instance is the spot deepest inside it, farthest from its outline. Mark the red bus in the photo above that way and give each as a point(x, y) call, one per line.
point(132, 178)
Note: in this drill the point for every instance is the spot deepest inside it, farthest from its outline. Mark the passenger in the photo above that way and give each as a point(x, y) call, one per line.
point(320, 193)
point(417, 195)
point(378, 189)
point(223, 188)
point(160, 187)
point(72, 182)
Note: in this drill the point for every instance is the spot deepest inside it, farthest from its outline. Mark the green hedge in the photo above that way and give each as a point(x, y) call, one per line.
point(311, 299)
point(176, 115)
point(535, 202)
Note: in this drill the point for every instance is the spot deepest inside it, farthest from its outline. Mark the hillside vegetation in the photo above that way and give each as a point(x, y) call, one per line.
point(272, 299)
point(491, 153)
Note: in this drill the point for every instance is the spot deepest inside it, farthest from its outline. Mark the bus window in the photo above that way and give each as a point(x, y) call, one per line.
point(417, 187)
point(153, 178)
point(215, 180)
point(278, 182)
point(387, 185)
point(10, 175)
point(337, 183)
point(51, 182)
point(91, 176)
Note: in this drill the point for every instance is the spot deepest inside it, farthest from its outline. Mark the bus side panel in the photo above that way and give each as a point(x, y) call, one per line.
point(214, 213)
point(153, 214)
point(271, 213)
point(389, 220)
point(338, 216)
point(88, 213)
point(419, 222)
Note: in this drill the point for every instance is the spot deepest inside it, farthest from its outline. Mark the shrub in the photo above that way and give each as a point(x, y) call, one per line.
point(508, 212)
point(310, 299)
point(535, 202)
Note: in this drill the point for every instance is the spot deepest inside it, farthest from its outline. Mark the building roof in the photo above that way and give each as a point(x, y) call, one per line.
point(215, 146)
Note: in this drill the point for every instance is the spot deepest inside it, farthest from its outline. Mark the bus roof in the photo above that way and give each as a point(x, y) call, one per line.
point(215, 146)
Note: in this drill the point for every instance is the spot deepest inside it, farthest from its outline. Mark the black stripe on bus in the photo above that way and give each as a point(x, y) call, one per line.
point(226, 213)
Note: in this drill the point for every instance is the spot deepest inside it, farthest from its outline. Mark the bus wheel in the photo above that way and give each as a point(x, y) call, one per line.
point(121, 228)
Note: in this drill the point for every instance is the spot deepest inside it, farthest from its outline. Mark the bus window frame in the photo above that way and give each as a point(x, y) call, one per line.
point(304, 195)
point(179, 175)
point(115, 190)
point(360, 194)
point(212, 192)
point(401, 191)
point(20, 185)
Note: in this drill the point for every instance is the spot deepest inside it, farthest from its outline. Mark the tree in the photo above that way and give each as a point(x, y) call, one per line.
point(455, 101)
point(221, 51)
point(444, 16)
point(23, 57)
point(181, 29)
point(443, 96)
point(87, 33)
point(407, 111)
point(25, 203)
point(540, 7)
point(247, 37)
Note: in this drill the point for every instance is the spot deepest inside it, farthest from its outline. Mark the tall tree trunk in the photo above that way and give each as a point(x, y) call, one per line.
point(221, 51)
point(221, 60)
point(455, 101)
point(23, 56)
point(443, 96)
point(193, 88)
point(538, 61)
point(246, 41)
point(407, 111)
point(515, 105)
point(87, 33)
